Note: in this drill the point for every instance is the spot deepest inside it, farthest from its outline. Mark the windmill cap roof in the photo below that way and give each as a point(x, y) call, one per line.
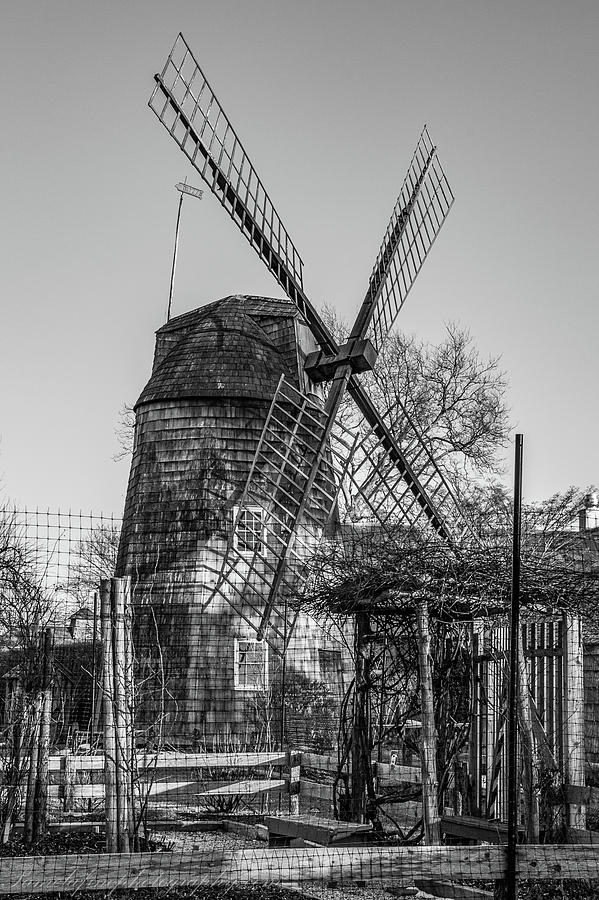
point(219, 350)
point(247, 304)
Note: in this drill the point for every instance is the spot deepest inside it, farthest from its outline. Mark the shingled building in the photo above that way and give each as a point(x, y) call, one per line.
point(198, 422)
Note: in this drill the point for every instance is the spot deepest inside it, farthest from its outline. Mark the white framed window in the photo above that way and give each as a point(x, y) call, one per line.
point(250, 531)
point(251, 665)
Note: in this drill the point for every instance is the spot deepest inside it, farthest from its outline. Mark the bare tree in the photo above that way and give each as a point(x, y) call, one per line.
point(125, 432)
point(94, 559)
point(26, 612)
point(445, 394)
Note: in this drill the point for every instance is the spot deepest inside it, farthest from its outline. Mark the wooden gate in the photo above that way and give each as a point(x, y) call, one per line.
point(552, 690)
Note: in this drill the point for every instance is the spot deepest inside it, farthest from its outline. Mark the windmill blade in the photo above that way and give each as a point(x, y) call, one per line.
point(421, 208)
point(376, 493)
point(188, 108)
point(292, 507)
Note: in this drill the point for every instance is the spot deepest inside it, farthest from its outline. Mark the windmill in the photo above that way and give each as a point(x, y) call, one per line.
point(304, 451)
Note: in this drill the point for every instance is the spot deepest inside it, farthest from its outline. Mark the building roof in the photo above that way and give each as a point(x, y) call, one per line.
point(221, 350)
point(248, 304)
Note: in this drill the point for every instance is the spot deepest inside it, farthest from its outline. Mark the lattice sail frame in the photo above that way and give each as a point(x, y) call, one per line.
point(289, 446)
point(377, 492)
point(421, 208)
point(190, 111)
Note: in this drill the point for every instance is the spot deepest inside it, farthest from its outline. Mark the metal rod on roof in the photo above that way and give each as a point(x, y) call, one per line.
point(176, 248)
point(183, 189)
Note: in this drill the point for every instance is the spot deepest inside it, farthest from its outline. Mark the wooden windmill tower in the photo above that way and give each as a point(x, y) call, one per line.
point(272, 496)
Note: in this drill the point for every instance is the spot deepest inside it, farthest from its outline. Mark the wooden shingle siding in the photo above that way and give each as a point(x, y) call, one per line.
point(198, 421)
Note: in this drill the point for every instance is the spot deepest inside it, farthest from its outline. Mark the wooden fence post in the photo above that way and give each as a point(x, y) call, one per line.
point(294, 782)
point(68, 780)
point(360, 751)
point(41, 786)
point(130, 708)
point(122, 738)
point(430, 809)
point(37, 778)
point(573, 675)
point(34, 744)
point(529, 751)
point(108, 717)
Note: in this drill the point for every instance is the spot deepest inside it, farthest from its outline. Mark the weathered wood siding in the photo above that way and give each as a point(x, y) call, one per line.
point(198, 421)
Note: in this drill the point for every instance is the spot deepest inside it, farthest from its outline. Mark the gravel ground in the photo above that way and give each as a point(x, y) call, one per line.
point(205, 840)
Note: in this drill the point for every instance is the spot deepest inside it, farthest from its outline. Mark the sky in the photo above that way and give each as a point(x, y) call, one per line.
point(329, 99)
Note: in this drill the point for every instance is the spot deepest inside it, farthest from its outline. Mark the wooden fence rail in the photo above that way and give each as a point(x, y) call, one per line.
point(149, 764)
point(110, 871)
point(176, 760)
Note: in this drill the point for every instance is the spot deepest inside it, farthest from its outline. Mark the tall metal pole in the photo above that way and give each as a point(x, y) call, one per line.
point(513, 683)
point(176, 248)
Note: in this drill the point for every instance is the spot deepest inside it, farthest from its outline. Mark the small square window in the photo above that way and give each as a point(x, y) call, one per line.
point(249, 531)
point(251, 665)
point(331, 664)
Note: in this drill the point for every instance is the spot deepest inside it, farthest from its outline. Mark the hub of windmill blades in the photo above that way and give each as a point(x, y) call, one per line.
point(359, 353)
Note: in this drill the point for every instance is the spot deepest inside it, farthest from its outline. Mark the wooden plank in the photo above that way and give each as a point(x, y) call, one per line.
point(315, 829)
point(474, 828)
point(573, 718)
point(190, 789)
point(542, 861)
point(582, 836)
point(448, 890)
point(391, 774)
point(316, 761)
point(295, 773)
point(316, 791)
point(477, 829)
point(245, 788)
point(209, 760)
point(111, 871)
point(388, 774)
point(254, 832)
point(170, 760)
point(79, 763)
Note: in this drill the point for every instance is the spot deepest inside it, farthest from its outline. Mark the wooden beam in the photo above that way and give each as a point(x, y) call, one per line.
point(573, 737)
point(317, 830)
point(475, 828)
point(388, 774)
point(176, 760)
point(110, 871)
point(316, 761)
point(428, 741)
point(190, 790)
point(245, 788)
point(543, 861)
point(109, 757)
point(315, 790)
point(448, 890)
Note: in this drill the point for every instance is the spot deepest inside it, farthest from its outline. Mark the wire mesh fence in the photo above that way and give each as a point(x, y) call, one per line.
point(148, 742)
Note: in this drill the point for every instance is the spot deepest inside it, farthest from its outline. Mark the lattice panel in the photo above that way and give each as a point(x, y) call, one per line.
point(188, 108)
point(375, 491)
point(421, 208)
point(283, 510)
